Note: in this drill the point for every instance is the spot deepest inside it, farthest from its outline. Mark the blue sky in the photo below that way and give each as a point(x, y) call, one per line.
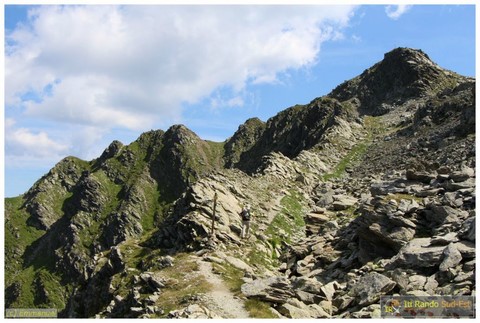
point(79, 77)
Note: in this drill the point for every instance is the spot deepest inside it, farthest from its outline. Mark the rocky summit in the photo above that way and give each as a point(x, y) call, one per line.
point(365, 192)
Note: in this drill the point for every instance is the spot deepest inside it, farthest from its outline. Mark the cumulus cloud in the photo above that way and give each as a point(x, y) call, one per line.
point(22, 142)
point(131, 66)
point(395, 12)
point(74, 75)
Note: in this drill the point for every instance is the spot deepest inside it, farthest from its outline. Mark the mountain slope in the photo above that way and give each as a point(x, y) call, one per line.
point(350, 179)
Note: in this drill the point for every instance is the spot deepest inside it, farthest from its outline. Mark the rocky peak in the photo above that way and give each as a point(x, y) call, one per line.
point(401, 55)
point(243, 139)
point(403, 74)
point(112, 150)
point(290, 132)
point(179, 134)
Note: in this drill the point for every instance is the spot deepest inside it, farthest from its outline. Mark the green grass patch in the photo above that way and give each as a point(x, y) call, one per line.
point(182, 284)
point(259, 309)
point(18, 234)
point(374, 127)
point(260, 259)
point(290, 222)
point(232, 276)
point(286, 226)
point(355, 154)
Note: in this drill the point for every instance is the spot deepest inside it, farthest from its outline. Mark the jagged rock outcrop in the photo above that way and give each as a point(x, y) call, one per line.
point(403, 74)
point(295, 129)
point(243, 140)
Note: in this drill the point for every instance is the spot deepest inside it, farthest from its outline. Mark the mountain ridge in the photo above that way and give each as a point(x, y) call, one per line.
point(86, 223)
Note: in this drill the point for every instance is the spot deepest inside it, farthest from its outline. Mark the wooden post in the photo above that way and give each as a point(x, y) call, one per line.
point(213, 215)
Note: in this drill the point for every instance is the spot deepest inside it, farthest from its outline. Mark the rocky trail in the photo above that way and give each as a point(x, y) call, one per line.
point(220, 298)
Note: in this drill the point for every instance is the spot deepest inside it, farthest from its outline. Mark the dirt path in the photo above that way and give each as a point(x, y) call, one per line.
point(222, 301)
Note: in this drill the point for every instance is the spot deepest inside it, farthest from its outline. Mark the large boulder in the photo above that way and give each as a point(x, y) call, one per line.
point(445, 214)
point(272, 289)
point(370, 287)
point(297, 310)
point(343, 202)
point(418, 253)
point(451, 257)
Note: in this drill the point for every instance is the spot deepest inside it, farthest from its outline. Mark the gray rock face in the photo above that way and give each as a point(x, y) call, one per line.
point(384, 230)
point(468, 229)
point(418, 253)
point(194, 311)
point(370, 287)
point(445, 214)
point(192, 215)
point(343, 202)
point(272, 289)
point(462, 175)
point(451, 257)
point(298, 310)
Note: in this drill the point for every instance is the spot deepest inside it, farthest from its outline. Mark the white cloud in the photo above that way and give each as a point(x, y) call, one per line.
point(23, 143)
point(133, 66)
point(395, 12)
point(75, 75)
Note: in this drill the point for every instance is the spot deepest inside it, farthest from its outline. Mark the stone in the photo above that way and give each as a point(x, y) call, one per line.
point(463, 174)
point(342, 302)
point(465, 276)
point(164, 262)
point(400, 276)
point(416, 282)
point(466, 248)
point(445, 214)
point(298, 310)
point(154, 282)
point(372, 311)
point(271, 289)
point(317, 311)
point(417, 293)
point(214, 259)
point(421, 176)
point(467, 231)
point(455, 186)
point(292, 311)
point(309, 285)
point(324, 198)
point(444, 240)
point(408, 206)
point(328, 290)
point(136, 311)
point(431, 285)
point(194, 311)
point(370, 287)
point(239, 264)
point(451, 257)
point(151, 299)
point(418, 253)
point(469, 265)
point(317, 218)
point(430, 192)
point(308, 298)
point(343, 202)
point(327, 306)
point(116, 260)
point(452, 199)
point(384, 188)
point(401, 221)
